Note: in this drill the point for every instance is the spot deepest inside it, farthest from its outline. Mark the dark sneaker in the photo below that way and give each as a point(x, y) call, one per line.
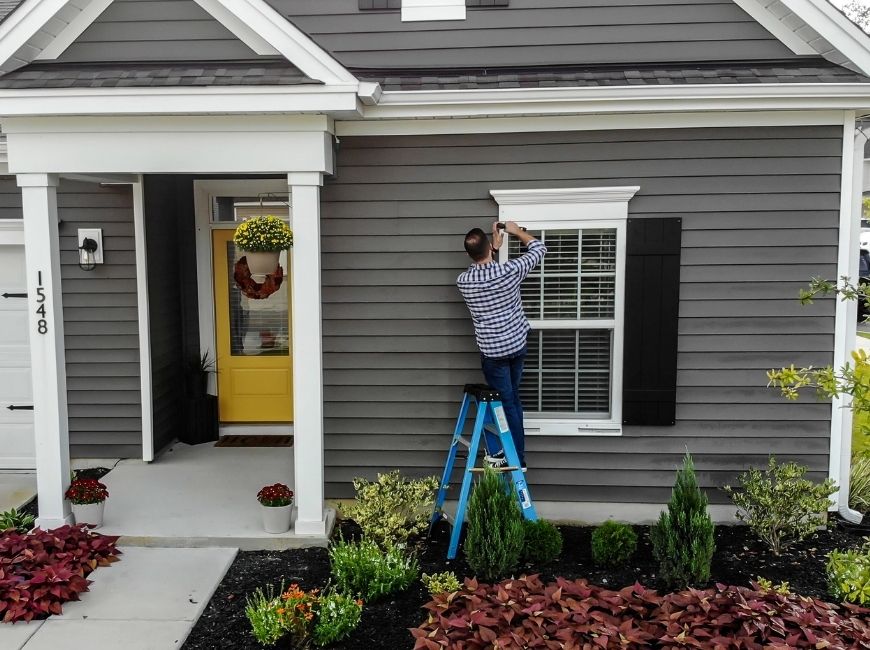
point(496, 460)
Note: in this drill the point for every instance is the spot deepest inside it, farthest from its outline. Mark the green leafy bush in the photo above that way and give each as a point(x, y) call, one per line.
point(613, 544)
point(337, 616)
point(363, 569)
point(859, 484)
point(780, 505)
point(440, 583)
point(392, 508)
point(542, 541)
point(849, 575)
point(495, 528)
point(682, 539)
point(18, 521)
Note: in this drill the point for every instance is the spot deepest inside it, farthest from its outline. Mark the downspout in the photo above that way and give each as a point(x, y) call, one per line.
point(847, 310)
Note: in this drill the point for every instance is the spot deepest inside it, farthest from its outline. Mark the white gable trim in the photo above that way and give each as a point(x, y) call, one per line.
point(90, 11)
point(260, 18)
point(40, 25)
point(238, 27)
point(835, 29)
point(759, 11)
point(813, 27)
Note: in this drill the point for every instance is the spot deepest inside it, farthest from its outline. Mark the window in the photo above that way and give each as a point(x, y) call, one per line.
point(419, 10)
point(574, 301)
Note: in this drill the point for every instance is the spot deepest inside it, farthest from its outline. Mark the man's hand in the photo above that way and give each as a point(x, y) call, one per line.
point(512, 228)
point(497, 237)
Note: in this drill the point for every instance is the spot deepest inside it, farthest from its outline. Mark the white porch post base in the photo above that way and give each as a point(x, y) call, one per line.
point(47, 350)
point(307, 354)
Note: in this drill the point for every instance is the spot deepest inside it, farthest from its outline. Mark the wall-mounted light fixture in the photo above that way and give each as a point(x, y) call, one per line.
point(90, 248)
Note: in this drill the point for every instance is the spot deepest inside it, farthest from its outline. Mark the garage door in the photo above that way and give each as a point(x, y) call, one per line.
point(16, 414)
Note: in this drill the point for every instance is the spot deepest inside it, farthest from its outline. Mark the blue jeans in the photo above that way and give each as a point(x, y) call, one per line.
point(504, 375)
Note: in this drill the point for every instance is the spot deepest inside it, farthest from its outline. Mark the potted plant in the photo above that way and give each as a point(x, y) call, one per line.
point(262, 239)
point(276, 504)
point(198, 370)
point(88, 498)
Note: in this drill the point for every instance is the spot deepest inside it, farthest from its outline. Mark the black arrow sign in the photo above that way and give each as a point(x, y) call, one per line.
point(16, 407)
point(13, 295)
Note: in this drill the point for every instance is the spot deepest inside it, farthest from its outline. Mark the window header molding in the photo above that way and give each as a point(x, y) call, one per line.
point(563, 203)
point(565, 195)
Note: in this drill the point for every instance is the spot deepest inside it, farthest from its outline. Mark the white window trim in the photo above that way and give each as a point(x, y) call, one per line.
point(594, 207)
point(420, 10)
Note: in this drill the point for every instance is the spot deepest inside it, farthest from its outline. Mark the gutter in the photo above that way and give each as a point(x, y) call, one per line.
point(852, 178)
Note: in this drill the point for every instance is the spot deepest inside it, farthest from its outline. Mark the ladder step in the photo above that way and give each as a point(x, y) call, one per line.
point(480, 470)
point(463, 441)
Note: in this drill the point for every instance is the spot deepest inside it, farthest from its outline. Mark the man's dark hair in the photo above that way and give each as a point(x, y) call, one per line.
point(477, 245)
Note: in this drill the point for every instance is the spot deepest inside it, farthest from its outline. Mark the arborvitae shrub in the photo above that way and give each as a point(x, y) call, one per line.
point(495, 528)
point(683, 537)
point(613, 544)
point(542, 543)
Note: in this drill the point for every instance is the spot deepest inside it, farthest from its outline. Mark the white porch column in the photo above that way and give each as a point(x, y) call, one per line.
point(47, 351)
point(307, 354)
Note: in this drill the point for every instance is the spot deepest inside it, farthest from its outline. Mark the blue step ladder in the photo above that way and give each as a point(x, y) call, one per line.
point(491, 417)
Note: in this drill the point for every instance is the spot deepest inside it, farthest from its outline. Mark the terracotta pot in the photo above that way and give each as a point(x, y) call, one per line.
point(276, 520)
point(262, 263)
point(89, 513)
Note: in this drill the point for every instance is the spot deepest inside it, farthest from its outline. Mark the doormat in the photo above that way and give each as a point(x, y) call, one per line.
point(255, 441)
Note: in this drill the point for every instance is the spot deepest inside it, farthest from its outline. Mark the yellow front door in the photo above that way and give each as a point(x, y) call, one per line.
point(254, 365)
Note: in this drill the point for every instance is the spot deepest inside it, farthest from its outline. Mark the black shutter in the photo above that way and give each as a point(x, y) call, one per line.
point(652, 302)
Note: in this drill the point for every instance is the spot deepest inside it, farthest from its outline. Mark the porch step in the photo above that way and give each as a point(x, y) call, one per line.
point(267, 543)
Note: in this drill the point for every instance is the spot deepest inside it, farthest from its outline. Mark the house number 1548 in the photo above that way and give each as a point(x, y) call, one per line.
point(42, 323)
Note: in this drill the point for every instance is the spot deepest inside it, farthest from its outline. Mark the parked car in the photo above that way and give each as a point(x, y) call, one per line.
point(863, 281)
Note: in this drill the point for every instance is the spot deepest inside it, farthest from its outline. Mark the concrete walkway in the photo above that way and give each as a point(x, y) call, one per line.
point(149, 600)
point(16, 489)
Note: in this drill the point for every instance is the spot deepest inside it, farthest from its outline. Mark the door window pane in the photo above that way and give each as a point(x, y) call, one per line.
point(258, 327)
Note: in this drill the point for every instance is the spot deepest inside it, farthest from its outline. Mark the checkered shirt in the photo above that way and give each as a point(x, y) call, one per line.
point(492, 293)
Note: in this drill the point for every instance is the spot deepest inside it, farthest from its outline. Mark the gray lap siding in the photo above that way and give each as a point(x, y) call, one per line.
point(759, 208)
point(100, 318)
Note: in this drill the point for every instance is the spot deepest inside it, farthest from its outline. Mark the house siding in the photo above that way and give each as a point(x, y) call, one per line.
point(101, 323)
point(539, 32)
point(759, 208)
point(156, 30)
point(100, 318)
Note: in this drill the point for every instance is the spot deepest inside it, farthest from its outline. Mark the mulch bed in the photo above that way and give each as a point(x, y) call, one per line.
point(739, 558)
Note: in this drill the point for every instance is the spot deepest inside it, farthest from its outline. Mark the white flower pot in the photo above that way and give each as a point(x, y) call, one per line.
point(89, 513)
point(263, 263)
point(276, 520)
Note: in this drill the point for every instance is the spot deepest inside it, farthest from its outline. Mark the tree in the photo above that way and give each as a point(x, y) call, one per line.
point(859, 13)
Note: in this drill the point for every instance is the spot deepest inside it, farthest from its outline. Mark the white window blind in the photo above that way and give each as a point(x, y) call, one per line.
point(570, 300)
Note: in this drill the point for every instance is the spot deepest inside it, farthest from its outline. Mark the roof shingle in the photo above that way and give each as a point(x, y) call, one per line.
point(273, 72)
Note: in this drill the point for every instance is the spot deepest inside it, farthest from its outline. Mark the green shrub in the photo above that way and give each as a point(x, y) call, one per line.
point(767, 586)
point(613, 544)
point(849, 575)
point(495, 528)
point(780, 505)
point(859, 484)
point(19, 521)
point(441, 583)
point(275, 615)
point(363, 569)
point(542, 541)
point(337, 616)
point(682, 539)
point(392, 508)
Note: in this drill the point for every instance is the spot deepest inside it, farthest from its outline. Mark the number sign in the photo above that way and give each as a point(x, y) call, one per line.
point(41, 311)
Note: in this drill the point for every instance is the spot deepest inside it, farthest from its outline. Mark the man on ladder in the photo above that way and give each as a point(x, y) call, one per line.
point(492, 292)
